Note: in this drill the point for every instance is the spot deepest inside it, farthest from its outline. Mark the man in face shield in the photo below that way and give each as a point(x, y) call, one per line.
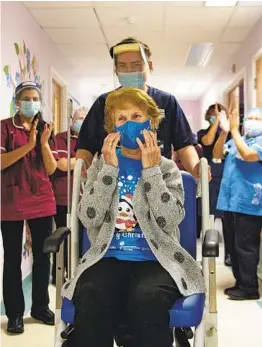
point(133, 64)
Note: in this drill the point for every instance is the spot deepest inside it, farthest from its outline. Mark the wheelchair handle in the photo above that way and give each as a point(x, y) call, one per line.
point(74, 224)
point(53, 242)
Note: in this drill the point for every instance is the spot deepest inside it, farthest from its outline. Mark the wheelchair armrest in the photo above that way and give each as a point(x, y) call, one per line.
point(210, 247)
point(53, 242)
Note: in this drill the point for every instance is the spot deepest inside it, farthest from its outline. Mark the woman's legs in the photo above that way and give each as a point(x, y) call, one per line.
point(229, 222)
point(40, 229)
point(247, 241)
point(96, 301)
point(243, 241)
point(12, 234)
point(152, 293)
point(227, 257)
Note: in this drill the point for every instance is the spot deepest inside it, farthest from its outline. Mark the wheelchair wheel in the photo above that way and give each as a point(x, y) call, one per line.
point(181, 338)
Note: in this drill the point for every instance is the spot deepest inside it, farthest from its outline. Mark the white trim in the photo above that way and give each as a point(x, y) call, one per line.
point(241, 75)
point(61, 150)
point(254, 91)
point(16, 126)
point(3, 148)
point(54, 75)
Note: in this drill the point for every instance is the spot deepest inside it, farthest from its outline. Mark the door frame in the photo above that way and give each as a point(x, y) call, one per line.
point(254, 73)
point(54, 75)
point(241, 75)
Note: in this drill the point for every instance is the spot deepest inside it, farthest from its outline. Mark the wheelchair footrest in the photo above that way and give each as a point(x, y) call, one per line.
point(68, 330)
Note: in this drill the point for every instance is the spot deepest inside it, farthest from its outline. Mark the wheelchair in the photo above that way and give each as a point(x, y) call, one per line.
point(197, 311)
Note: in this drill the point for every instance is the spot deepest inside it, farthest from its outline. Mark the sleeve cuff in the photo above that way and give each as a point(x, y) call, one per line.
point(110, 170)
point(151, 171)
point(55, 155)
point(258, 148)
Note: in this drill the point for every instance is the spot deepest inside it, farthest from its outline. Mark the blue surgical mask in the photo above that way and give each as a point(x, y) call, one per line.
point(252, 127)
point(131, 79)
point(77, 125)
point(130, 131)
point(212, 119)
point(30, 108)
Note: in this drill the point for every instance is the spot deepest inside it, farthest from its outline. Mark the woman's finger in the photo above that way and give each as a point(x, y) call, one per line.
point(216, 108)
point(231, 105)
point(51, 125)
point(35, 125)
point(148, 140)
point(153, 138)
point(140, 144)
point(108, 140)
point(115, 141)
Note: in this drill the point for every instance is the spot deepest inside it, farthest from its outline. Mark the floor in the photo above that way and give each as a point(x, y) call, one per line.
point(239, 323)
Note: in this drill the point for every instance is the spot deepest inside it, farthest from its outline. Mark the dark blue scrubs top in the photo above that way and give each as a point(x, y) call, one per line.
point(174, 129)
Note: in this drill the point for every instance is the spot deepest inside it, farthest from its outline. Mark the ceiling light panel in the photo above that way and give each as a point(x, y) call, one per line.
point(199, 54)
point(220, 3)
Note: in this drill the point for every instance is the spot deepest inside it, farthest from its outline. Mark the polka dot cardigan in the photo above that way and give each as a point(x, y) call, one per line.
point(159, 208)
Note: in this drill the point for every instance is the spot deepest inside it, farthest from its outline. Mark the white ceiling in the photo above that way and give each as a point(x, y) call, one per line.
point(82, 31)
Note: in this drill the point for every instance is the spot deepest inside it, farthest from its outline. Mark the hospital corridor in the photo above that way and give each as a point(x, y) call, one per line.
point(131, 173)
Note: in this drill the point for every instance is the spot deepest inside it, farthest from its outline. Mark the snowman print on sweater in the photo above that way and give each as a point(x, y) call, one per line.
point(126, 220)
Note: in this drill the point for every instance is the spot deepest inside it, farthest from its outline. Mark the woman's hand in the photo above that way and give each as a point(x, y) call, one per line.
point(109, 149)
point(32, 135)
point(234, 121)
point(151, 155)
point(46, 134)
point(217, 115)
point(224, 122)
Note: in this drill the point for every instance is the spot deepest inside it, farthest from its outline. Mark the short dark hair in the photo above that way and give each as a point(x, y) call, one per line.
point(131, 40)
point(212, 107)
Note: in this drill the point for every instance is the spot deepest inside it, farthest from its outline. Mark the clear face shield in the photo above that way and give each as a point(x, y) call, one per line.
point(131, 65)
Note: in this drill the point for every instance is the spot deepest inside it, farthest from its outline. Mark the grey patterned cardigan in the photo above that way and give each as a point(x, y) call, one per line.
point(158, 206)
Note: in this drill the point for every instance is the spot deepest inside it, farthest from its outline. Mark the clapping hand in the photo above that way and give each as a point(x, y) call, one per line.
point(33, 133)
point(234, 121)
point(224, 121)
point(48, 128)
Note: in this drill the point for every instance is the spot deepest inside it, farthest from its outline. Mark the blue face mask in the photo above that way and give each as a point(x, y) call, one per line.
point(77, 126)
point(131, 79)
point(30, 109)
point(212, 119)
point(252, 127)
point(130, 131)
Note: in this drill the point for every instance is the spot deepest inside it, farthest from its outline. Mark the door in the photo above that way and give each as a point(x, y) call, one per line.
point(233, 99)
point(57, 92)
point(259, 82)
point(236, 100)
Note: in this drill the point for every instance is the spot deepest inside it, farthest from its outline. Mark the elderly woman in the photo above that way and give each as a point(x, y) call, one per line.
point(131, 206)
